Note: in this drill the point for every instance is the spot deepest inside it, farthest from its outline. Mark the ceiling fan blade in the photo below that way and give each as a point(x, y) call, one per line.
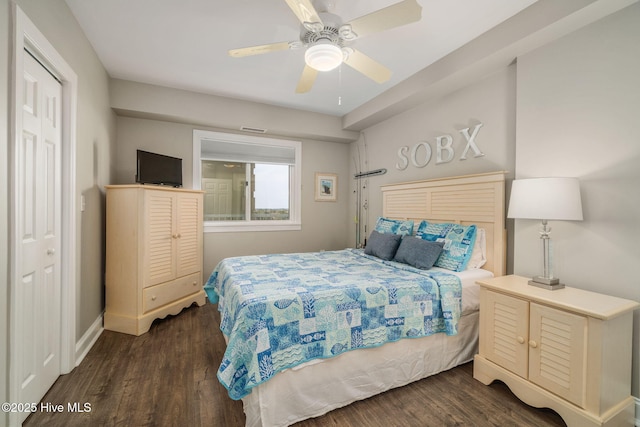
point(367, 66)
point(396, 15)
point(257, 50)
point(306, 13)
point(307, 79)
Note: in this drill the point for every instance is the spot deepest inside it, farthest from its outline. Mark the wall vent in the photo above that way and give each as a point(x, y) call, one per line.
point(252, 130)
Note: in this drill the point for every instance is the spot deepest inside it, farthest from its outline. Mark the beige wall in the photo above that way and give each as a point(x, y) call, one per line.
point(323, 223)
point(181, 106)
point(171, 139)
point(578, 103)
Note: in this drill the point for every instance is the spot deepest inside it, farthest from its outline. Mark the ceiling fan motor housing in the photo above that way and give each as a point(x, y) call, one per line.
point(330, 31)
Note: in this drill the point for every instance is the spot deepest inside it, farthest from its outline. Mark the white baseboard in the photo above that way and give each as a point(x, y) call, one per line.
point(88, 339)
point(637, 411)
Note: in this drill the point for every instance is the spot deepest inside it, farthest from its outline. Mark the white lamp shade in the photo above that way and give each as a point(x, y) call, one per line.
point(323, 56)
point(546, 199)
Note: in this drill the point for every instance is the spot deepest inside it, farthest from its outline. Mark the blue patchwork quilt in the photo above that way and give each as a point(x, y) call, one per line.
point(279, 311)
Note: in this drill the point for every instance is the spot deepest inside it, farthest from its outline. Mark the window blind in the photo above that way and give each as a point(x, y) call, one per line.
point(246, 152)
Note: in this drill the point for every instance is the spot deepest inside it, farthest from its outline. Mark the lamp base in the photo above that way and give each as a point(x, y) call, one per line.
point(550, 284)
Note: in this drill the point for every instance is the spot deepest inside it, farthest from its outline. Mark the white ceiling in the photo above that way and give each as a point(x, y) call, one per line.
point(183, 44)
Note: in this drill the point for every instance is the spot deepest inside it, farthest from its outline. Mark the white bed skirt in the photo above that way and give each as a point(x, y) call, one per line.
point(317, 387)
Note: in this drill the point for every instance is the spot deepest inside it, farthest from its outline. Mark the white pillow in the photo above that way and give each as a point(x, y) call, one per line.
point(479, 254)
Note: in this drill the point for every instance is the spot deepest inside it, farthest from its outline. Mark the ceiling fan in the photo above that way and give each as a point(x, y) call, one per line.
point(327, 39)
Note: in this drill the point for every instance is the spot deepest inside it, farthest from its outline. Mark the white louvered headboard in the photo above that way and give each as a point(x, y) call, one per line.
point(470, 199)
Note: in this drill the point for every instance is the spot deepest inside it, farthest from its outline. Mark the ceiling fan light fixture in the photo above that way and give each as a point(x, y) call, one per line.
point(323, 56)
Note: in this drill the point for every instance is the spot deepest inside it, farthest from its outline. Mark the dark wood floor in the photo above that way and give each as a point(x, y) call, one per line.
point(167, 377)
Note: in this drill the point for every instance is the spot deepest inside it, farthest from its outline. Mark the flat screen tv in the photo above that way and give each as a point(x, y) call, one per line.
point(153, 168)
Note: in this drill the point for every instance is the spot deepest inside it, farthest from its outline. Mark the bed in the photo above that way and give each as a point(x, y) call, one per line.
point(282, 382)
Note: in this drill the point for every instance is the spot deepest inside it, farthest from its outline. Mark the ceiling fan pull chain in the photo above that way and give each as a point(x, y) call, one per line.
point(339, 84)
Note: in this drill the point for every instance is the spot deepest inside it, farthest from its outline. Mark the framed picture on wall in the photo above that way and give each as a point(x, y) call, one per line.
point(326, 187)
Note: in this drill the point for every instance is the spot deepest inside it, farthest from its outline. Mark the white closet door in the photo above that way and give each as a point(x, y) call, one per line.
point(38, 218)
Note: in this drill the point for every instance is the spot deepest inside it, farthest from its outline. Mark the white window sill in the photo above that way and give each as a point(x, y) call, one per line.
point(253, 226)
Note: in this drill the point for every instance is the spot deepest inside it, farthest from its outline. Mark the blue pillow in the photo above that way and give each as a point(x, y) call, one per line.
point(418, 253)
point(458, 243)
point(382, 245)
point(394, 226)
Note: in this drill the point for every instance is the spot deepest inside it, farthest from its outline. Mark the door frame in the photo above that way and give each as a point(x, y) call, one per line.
point(27, 36)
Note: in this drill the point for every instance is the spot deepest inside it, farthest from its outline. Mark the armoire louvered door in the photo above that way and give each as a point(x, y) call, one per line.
point(189, 234)
point(160, 237)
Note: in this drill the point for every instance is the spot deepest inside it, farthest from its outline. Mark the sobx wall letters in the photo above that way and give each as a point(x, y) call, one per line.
point(420, 154)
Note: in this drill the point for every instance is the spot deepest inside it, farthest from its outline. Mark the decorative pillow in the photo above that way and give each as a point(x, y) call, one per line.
point(394, 226)
point(382, 245)
point(418, 253)
point(479, 254)
point(458, 243)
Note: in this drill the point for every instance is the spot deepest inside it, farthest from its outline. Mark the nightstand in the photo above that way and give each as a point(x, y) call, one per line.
point(568, 349)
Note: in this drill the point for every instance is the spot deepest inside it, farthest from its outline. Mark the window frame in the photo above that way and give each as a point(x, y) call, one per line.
point(294, 222)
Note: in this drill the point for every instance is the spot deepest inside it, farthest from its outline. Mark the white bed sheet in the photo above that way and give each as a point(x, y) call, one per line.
point(319, 386)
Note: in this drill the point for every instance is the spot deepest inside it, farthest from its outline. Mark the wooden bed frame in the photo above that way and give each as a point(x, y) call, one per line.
point(472, 199)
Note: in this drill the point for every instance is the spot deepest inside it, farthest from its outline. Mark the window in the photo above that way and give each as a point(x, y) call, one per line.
point(250, 183)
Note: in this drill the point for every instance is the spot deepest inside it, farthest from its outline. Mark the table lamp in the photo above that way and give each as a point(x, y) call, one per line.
point(546, 199)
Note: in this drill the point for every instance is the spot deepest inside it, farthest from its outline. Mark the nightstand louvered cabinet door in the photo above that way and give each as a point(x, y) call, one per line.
point(505, 323)
point(557, 353)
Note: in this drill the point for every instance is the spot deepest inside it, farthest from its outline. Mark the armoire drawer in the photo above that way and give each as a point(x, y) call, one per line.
point(164, 293)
